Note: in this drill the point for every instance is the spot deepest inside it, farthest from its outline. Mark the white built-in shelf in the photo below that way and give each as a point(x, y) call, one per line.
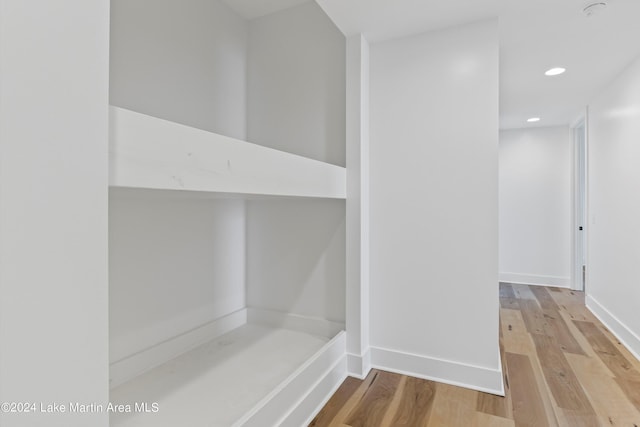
point(255, 375)
point(151, 153)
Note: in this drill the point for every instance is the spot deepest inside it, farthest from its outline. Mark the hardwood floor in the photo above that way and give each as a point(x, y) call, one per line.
point(562, 368)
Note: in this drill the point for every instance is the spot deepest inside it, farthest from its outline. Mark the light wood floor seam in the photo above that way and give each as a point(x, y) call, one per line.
point(562, 367)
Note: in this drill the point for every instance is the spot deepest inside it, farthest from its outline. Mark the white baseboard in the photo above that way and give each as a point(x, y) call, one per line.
point(296, 322)
point(532, 279)
point(131, 366)
point(621, 331)
point(359, 365)
point(444, 371)
point(124, 342)
point(301, 396)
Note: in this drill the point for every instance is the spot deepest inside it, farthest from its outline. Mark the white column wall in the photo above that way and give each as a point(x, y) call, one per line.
point(358, 231)
point(613, 229)
point(434, 205)
point(53, 209)
point(536, 206)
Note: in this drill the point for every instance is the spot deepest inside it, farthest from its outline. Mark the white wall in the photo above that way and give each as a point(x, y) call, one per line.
point(536, 206)
point(176, 262)
point(53, 208)
point(296, 103)
point(296, 257)
point(614, 206)
point(296, 84)
point(434, 205)
point(183, 61)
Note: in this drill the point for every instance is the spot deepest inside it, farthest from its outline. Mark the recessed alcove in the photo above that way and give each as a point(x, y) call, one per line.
point(227, 213)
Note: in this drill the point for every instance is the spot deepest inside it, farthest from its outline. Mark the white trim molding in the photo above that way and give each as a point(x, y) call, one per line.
point(129, 367)
point(533, 279)
point(359, 365)
point(478, 378)
point(300, 397)
point(296, 322)
point(621, 331)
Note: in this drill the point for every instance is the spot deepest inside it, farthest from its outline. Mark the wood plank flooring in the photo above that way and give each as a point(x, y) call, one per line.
point(562, 368)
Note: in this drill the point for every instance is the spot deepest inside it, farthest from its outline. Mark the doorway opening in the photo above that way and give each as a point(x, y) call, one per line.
point(580, 205)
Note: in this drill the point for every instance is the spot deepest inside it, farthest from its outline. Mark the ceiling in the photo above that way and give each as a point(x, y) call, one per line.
point(385, 19)
point(251, 9)
point(535, 35)
point(541, 34)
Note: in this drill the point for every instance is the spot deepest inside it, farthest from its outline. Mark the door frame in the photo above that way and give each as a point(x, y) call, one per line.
point(580, 216)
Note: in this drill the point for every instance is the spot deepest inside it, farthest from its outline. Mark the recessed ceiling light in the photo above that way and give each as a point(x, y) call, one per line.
point(555, 71)
point(533, 119)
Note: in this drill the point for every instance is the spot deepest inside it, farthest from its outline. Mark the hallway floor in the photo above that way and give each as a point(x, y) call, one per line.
point(562, 368)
